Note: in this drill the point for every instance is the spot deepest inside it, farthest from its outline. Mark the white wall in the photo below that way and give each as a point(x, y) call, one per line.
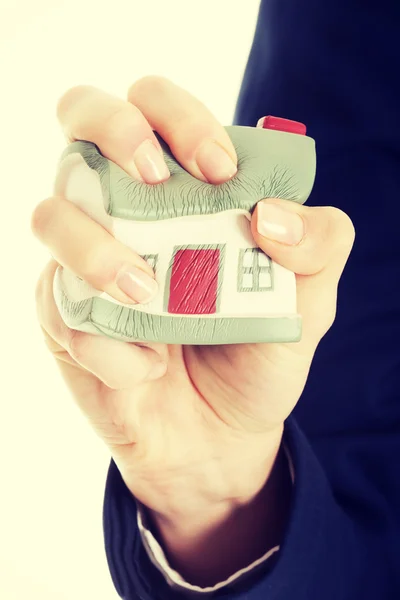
point(52, 466)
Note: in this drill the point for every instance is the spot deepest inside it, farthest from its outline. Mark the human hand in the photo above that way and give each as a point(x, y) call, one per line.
point(188, 426)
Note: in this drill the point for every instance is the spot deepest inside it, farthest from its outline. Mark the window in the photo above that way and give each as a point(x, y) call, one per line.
point(255, 273)
point(151, 259)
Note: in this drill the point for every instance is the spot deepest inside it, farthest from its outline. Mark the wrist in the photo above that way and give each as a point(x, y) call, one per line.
point(209, 545)
point(220, 486)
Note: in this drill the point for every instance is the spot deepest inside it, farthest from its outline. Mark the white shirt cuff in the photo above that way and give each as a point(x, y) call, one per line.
point(174, 579)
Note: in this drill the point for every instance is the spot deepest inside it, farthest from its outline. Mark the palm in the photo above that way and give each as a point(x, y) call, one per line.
point(243, 383)
point(211, 402)
point(208, 392)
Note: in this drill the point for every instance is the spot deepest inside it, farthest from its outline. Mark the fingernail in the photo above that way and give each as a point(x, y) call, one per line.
point(137, 285)
point(214, 162)
point(279, 224)
point(150, 163)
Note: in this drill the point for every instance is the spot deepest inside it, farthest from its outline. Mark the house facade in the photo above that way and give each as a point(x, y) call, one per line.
point(209, 265)
point(215, 285)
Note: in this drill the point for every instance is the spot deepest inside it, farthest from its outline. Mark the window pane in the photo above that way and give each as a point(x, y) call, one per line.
point(248, 258)
point(263, 260)
point(264, 280)
point(247, 280)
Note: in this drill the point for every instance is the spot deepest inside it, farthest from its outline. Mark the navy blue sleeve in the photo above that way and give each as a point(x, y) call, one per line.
point(325, 553)
point(333, 65)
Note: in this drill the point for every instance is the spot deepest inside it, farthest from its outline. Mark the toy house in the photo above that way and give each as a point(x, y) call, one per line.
point(215, 285)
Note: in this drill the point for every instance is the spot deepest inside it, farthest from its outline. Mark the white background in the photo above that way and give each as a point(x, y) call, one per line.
point(52, 467)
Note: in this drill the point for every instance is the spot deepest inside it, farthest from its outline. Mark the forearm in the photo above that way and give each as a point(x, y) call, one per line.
point(214, 545)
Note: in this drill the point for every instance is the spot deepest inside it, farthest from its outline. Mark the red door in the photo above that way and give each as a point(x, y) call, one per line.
point(194, 281)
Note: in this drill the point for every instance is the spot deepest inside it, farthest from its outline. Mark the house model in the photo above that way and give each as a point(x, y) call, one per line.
point(215, 285)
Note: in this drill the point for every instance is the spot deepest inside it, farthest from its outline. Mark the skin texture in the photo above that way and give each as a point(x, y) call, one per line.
point(194, 430)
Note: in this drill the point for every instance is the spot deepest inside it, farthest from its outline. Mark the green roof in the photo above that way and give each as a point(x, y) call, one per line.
point(271, 164)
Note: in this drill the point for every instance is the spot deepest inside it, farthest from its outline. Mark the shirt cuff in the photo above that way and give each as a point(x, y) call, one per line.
point(157, 555)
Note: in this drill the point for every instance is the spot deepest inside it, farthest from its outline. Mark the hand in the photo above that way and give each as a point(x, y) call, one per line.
point(189, 427)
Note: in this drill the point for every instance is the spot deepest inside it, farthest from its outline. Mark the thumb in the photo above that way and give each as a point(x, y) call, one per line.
point(304, 239)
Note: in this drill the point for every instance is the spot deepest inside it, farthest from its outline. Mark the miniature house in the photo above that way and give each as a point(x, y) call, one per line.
point(215, 285)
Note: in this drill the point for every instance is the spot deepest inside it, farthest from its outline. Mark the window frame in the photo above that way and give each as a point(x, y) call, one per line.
point(255, 270)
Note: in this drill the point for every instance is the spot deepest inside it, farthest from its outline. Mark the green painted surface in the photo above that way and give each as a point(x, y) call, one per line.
point(98, 315)
point(271, 164)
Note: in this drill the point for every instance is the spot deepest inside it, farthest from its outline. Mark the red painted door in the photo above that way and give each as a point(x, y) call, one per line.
point(194, 282)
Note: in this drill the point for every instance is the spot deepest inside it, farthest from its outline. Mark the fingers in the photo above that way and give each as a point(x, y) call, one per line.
point(196, 138)
point(89, 251)
point(303, 239)
point(118, 365)
point(314, 243)
point(118, 128)
point(123, 130)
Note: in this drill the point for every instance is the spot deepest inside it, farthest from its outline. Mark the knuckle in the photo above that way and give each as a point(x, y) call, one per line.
point(42, 216)
point(98, 267)
point(69, 98)
point(77, 344)
point(343, 229)
point(150, 84)
point(348, 229)
point(115, 123)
